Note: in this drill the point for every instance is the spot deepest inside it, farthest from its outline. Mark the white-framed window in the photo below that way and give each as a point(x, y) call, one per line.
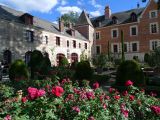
point(114, 33)
point(134, 46)
point(30, 35)
point(97, 35)
point(115, 47)
point(98, 49)
point(153, 14)
point(126, 47)
point(45, 39)
point(154, 28)
point(154, 44)
point(133, 30)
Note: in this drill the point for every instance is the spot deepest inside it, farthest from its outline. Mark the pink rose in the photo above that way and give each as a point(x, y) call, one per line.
point(8, 117)
point(156, 109)
point(128, 83)
point(32, 92)
point(117, 97)
point(96, 85)
point(76, 109)
point(40, 93)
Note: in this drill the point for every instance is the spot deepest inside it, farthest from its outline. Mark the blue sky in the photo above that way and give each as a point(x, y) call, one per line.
point(52, 9)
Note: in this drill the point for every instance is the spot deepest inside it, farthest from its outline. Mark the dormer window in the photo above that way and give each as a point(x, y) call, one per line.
point(27, 19)
point(133, 17)
point(71, 32)
point(114, 20)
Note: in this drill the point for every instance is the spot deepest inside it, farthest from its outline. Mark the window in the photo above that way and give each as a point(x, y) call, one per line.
point(79, 45)
point(115, 48)
point(133, 30)
point(46, 39)
point(114, 20)
point(74, 44)
point(67, 43)
point(85, 45)
point(153, 14)
point(153, 28)
point(114, 33)
point(133, 17)
point(134, 47)
point(58, 43)
point(97, 35)
point(125, 47)
point(154, 44)
point(98, 50)
point(30, 36)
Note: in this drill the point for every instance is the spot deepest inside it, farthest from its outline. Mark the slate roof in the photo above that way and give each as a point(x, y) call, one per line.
point(83, 19)
point(14, 15)
point(122, 17)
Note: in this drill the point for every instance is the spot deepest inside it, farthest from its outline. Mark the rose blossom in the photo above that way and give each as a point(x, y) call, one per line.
point(117, 97)
point(156, 109)
point(96, 85)
point(125, 93)
point(8, 117)
point(128, 83)
point(57, 91)
point(32, 92)
point(24, 99)
point(91, 118)
point(40, 93)
point(131, 97)
point(76, 109)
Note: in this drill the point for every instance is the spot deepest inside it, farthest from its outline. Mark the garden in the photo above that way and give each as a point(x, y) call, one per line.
point(37, 91)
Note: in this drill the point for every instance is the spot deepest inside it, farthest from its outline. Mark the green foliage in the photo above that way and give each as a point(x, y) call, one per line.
point(39, 64)
point(83, 71)
point(18, 71)
point(130, 70)
point(136, 58)
point(100, 60)
point(64, 62)
point(146, 58)
point(117, 62)
point(70, 17)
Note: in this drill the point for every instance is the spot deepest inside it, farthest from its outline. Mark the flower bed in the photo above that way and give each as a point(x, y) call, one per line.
point(67, 101)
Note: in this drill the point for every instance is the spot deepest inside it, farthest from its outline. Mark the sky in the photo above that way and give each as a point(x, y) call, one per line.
point(51, 10)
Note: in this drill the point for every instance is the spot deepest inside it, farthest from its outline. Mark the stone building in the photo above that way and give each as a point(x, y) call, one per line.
point(21, 33)
point(140, 27)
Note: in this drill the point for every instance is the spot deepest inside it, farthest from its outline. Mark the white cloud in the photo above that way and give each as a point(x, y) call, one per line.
point(63, 2)
point(55, 22)
point(80, 2)
point(95, 13)
point(68, 9)
point(31, 5)
point(95, 4)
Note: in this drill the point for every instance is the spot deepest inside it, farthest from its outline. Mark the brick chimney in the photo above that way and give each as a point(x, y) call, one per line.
point(107, 12)
point(61, 25)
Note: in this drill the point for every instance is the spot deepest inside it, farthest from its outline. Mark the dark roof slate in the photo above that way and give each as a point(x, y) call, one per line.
point(83, 19)
point(14, 15)
point(122, 17)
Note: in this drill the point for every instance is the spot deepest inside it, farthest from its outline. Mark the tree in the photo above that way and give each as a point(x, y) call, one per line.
point(70, 17)
point(122, 43)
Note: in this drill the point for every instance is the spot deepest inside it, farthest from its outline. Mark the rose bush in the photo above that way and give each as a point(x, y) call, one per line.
point(67, 101)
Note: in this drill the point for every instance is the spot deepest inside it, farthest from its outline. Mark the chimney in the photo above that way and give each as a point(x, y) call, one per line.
point(61, 25)
point(70, 25)
point(138, 5)
point(107, 12)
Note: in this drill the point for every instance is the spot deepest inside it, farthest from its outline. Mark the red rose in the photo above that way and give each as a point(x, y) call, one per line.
point(107, 97)
point(40, 93)
point(131, 97)
point(125, 93)
point(125, 113)
point(96, 85)
point(128, 83)
point(24, 99)
point(111, 90)
point(91, 118)
point(104, 106)
point(117, 97)
point(57, 91)
point(156, 109)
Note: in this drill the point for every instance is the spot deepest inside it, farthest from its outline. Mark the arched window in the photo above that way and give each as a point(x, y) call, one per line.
point(133, 17)
point(59, 58)
point(74, 57)
point(114, 20)
point(7, 57)
point(28, 57)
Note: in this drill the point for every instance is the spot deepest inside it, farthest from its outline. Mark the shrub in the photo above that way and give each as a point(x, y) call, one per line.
point(146, 58)
point(129, 70)
point(18, 71)
point(63, 62)
point(83, 70)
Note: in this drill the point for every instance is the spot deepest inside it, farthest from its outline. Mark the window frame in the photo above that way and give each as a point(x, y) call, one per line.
point(131, 32)
point(99, 34)
point(112, 30)
point(157, 27)
point(150, 14)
